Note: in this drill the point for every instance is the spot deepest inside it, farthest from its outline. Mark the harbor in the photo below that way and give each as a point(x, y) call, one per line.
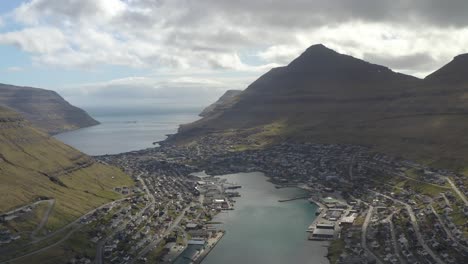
point(257, 213)
point(332, 215)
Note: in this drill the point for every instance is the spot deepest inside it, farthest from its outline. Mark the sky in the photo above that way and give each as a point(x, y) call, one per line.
point(185, 53)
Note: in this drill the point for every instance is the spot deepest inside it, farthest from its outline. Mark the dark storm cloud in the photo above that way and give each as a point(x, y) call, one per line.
point(307, 13)
point(413, 62)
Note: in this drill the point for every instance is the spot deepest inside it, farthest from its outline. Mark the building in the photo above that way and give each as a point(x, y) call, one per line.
point(322, 234)
point(325, 226)
point(348, 220)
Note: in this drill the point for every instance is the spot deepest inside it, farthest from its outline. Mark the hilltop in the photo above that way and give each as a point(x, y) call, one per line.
point(327, 97)
point(45, 109)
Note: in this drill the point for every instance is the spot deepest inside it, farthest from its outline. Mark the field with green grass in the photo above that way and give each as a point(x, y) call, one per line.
point(36, 166)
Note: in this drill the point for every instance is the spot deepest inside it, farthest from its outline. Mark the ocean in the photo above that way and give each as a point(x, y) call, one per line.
point(124, 133)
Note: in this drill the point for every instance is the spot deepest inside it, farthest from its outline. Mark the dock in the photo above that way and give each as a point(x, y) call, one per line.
point(295, 198)
point(322, 211)
point(211, 244)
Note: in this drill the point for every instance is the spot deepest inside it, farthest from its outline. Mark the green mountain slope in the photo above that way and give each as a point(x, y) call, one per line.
point(34, 165)
point(327, 97)
point(44, 109)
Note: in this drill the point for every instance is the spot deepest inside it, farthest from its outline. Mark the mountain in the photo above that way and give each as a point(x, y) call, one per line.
point(327, 97)
point(455, 72)
point(223, 102)
point(44, 109)
point(33, 166)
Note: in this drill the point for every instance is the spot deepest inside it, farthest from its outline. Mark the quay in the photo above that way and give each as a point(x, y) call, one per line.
point(233, 187)
point(212, 242)
point(322, 229)
point(292, 199)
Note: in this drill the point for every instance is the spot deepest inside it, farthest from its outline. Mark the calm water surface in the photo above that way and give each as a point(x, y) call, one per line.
point(123, 133)
point(262, 230)
point(259, 230)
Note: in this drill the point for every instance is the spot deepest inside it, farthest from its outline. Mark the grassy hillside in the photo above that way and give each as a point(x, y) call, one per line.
point(44, 109)
point(34, 165)
point(327, 97)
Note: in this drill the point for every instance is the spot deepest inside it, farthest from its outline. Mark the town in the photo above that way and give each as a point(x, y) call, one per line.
point(372, 208)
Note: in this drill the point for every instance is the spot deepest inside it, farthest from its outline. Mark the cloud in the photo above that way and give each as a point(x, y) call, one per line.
point(414, 62)
point(14, 69)
point(68, 11)
point(162, 92)
point(412, 36)
point(40, 40)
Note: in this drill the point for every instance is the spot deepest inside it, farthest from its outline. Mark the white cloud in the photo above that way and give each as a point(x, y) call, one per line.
point(215, 35)
point(66, 11)
point(153, 92)
point(40, 40)
point(14, 69)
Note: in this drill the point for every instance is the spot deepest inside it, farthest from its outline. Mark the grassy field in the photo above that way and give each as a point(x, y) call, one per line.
point(35, 165)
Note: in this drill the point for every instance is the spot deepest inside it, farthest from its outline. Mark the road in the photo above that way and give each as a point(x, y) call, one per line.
point(447, 231)
point(44, 219)
point(364, 234)
point(454, 187)
point(44, 248)
point(416, 228)
point(75, 226)
point(156, 242)
point(145, 187)
point(396, 247)
point(99, 248)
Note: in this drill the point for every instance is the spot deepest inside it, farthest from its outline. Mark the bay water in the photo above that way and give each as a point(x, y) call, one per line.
point(124, 133)
point(259, 230)
point(263, 230)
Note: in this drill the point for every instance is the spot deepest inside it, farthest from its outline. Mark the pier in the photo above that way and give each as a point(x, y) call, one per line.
point(292, 199)
point(212, 242)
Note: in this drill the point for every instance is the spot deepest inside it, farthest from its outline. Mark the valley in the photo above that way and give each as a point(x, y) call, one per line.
point(356, 151)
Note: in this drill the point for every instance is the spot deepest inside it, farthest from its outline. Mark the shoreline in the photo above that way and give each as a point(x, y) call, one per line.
point(206, 252)
point(325, 245)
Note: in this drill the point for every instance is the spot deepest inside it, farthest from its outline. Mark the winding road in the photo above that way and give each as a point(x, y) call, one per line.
point(416, 228)
point(364, 234)
point(75, 226)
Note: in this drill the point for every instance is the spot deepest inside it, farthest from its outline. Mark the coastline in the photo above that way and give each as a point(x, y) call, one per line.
point(320, 248)
point(320, 207)
point(211, 246)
